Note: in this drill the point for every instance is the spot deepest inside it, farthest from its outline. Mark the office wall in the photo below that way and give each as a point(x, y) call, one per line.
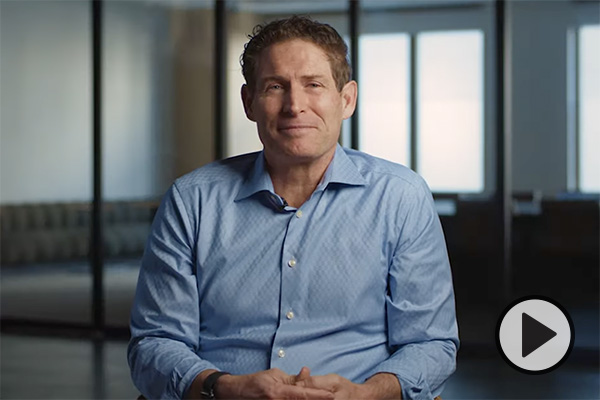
point(192, 43)
point(45, 121)
point(538, 93)
point(242, 135)
point(138, 145)
point(158, 97)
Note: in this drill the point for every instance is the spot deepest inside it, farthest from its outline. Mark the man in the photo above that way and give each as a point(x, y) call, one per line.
point(303, 271)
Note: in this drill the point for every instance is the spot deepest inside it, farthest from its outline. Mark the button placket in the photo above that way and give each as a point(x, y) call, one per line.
point(288, 315)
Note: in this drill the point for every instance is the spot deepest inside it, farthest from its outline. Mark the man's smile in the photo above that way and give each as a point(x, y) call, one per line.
point(295, 128)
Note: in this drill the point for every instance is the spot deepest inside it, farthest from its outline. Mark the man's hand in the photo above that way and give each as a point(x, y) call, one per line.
point(379, 386)
point(270, 384)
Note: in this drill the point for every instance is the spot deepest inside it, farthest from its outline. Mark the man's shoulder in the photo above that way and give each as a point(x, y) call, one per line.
point(375, 168)
point(230, 170)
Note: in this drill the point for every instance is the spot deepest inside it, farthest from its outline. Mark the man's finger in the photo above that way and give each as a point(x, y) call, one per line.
point(302, 375)
point(325, 382)
point(298, 392)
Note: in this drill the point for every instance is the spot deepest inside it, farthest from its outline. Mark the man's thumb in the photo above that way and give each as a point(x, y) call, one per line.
point(302, 376)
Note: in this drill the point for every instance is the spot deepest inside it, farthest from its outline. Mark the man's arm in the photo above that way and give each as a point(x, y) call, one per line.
point(420, 310)
point(165, 315)
point(420, 303)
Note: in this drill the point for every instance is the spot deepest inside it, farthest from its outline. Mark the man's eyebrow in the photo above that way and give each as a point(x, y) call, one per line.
point(279, 78)
point(270, 78)
point(311, 77)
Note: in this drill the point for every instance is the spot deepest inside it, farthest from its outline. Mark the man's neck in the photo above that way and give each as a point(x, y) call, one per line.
point(296, 182)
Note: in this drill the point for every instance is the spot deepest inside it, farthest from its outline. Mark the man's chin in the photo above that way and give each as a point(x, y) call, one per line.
point(303, 156)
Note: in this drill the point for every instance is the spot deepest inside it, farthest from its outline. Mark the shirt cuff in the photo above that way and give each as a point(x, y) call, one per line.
point(183, 379)
point(413, 386)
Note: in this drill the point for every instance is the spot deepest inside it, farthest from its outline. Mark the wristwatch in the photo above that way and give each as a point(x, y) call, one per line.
point(208, 387)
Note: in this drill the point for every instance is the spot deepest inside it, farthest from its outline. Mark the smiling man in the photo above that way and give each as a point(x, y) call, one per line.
point(304, 271)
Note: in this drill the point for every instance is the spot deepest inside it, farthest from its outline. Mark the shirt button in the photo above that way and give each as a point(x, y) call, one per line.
point(292, 263)
point(281, 353)
point(289, 315)
point(299, 214)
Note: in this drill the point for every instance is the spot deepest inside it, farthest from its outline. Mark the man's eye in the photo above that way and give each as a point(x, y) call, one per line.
point(314, 85)
point(274, 86)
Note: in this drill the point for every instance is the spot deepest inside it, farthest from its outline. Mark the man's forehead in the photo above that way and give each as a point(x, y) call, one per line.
point(278, 59)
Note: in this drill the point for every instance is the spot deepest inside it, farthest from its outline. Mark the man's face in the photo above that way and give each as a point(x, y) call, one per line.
point(296, 105)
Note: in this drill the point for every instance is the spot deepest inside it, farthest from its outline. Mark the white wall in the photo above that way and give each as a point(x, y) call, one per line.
point(45, 101)
point(46, 121)
point(137, 145)
point(242, 136)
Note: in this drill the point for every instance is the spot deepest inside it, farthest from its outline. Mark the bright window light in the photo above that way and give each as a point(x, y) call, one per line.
point(450, 146)
point(384, 73)
point(589, 106)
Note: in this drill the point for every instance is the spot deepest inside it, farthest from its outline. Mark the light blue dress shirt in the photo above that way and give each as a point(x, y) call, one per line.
point(354, 282)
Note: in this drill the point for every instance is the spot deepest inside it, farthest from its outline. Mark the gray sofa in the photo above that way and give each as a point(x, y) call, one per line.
point(48, 232)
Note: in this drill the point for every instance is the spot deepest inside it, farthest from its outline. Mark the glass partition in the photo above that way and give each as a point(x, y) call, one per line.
point(158, 124)
point(45, 161)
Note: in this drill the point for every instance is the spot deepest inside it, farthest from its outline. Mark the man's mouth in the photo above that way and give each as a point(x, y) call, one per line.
point(294, 128)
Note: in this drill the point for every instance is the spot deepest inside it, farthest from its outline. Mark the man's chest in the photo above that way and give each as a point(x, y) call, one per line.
point(322, 260)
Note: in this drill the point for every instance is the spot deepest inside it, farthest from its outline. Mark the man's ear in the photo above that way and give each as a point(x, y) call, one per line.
point(247, 99)
point(349, 94)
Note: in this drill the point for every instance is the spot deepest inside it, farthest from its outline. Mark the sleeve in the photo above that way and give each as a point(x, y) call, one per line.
point(422, 328)
point(165, 317)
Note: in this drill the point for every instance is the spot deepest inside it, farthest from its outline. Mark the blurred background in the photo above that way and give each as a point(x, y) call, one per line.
point(104, 103)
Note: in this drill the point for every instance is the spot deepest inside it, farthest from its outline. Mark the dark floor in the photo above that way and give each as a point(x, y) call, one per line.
point(62, 292)
point(34, 367)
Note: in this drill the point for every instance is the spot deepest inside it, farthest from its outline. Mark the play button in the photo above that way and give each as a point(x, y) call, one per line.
point(535, 334)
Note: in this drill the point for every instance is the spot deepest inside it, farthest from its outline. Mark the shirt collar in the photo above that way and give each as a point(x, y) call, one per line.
point(257, 181)
point(341, 170)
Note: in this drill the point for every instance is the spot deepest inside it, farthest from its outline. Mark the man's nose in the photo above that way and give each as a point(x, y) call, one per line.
point(295, 101)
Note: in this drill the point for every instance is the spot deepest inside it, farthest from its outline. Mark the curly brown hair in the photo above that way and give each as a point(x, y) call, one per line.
point(297, 27)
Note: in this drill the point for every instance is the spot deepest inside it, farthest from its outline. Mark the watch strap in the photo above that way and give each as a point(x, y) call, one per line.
point(208, 387)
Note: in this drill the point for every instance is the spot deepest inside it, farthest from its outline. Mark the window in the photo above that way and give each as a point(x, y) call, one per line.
point(448, 104)
point(385, 96)
point(450, 110)
point(588, 106)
